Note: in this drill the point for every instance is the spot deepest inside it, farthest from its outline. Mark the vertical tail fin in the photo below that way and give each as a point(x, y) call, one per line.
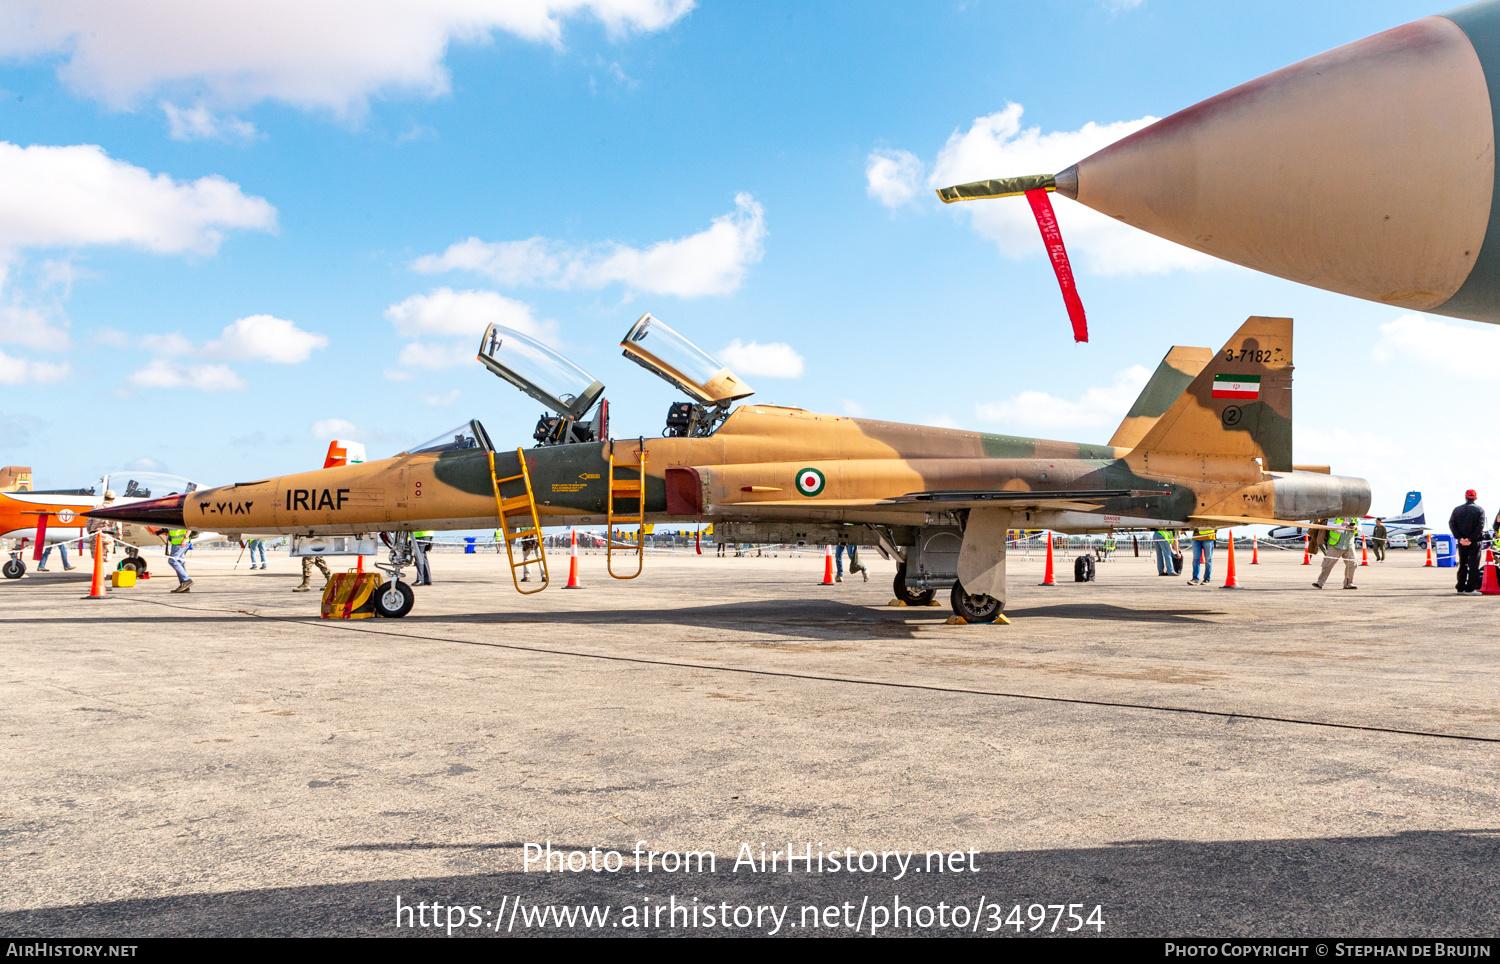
point(1239, 405)
point(1175, 373)
point(1412, 511)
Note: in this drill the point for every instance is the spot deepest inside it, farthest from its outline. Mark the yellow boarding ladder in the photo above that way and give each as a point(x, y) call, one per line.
point(627, 489)
point(522, 508)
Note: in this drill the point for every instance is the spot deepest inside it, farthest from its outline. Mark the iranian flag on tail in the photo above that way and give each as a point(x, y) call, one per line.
point(1237, 386)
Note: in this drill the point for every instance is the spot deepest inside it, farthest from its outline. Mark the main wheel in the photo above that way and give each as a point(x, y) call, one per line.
point(13, 569)
point(394, 600)
point(912, 597)
point(975, 609)
point(134, 562)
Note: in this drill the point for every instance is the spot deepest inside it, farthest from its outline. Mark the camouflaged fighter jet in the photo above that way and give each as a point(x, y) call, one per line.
point(1217, 452)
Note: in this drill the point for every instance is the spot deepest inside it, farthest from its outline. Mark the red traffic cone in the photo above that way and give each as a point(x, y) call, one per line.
point(827, 566)
point(96, 588)
point(1048, 578)
point(1364, 551)
point(1230, 582)
point(1306, 555)
point(1489, 586)
point(1429, 554)
point(1254, 550)
point(698, 540)
point(573, 563)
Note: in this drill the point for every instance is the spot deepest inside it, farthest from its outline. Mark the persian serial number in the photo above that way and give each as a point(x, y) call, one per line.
point(1259, 355)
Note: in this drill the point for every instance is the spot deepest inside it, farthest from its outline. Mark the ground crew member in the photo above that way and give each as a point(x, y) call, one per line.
point(1467, 525)
point(307, 564)
point(528, 549)
point(854, 564)
point(1164, 566)
point(1340, 545)
point(62, 548)
point(106, 541)
point(1203, 551)
point(421, 544)
point(1109, 545)
point(499, 541)
point(258, 546)
point(177, 541)
point(1378, 540)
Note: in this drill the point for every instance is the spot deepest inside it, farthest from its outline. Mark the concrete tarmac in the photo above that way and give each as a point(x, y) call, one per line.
point(1271, 761)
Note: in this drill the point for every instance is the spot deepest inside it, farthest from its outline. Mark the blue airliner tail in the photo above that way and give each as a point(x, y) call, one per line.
point(1412, 512)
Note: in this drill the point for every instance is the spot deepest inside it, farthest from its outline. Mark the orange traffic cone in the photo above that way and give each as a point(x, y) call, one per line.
point(827, 566)
point(1489, 586)
point(1429, 554)
point(1254, 550)
point(1364, 552)
point(1048, 578)
point(96, 588)
point(1230, 582)
point(698, 540)
point(573, 582)
point(1306, 555)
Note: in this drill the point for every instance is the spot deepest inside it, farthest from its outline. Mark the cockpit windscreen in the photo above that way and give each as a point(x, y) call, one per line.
point(469, 435)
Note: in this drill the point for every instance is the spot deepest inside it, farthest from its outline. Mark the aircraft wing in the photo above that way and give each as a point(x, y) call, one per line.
point(1244, 520)
point(1076, 500)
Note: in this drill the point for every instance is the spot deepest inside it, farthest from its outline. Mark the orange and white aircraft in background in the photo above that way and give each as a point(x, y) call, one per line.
point(23, 509)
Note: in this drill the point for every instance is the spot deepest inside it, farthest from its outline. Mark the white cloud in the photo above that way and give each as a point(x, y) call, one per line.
point(78, 195)
point(264, 338)
point(206, 378)
point(940, 421)
point(31, 327)
point(198, 123)
point(332, 428)
point(21, 371)
point(447, 398)
point(418, 354)
point(444, 311)
point(253, 338)
point(853, 408)
point(1120, 6)
point(113, 337)
point(893, 177)
point(330, 54)
point(397, 375)
point(1458, 349)
point(711, 262)
point(1101, 406)
point(996, 146)
point(773, 360)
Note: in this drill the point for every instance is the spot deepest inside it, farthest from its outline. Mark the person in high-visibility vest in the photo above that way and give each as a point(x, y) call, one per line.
point(1203, 552)
point(1163, 544)
point(177, 540)
point(421, 544)
point(1342, 536)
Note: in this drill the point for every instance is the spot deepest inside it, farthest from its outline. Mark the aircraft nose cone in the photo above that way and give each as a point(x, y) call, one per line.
point(166, 512)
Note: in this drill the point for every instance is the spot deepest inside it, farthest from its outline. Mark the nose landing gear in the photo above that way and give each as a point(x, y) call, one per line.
point(395, 598)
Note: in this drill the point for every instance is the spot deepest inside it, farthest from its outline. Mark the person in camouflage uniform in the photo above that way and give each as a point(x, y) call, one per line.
point(307, 564)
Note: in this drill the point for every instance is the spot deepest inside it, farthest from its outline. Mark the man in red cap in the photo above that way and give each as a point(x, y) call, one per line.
point(1467, 525)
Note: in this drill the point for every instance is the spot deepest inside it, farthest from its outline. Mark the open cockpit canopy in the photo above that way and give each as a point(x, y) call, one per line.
point(662, 351)
point(469, 435)
point(539, 372)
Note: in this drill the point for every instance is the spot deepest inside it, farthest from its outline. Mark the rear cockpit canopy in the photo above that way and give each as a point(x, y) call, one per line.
point(469, 435)
point(662, 351)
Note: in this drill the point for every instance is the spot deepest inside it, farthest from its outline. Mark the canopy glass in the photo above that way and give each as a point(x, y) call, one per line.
point(657, 348)
point(469, 435)
point(539, 371)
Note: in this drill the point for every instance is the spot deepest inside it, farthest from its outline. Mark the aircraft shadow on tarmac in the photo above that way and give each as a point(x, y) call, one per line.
point(1419, 883)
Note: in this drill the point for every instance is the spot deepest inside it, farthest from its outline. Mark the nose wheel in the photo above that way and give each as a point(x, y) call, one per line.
point(13, 568)
point(394, 599)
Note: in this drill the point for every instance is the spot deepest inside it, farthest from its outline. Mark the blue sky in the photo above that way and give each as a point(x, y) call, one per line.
point(755, 174)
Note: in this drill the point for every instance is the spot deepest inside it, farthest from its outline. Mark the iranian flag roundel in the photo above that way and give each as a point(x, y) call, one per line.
point(810, 481)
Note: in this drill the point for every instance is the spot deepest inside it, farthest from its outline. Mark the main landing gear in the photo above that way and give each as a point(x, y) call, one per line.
point(912, 597)
point(975, 608)
point(395, 598)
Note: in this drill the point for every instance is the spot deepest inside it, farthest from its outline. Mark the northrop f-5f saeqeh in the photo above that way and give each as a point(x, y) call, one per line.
point(938, 501)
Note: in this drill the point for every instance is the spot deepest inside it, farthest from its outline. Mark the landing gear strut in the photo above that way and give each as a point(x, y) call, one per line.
point(395, 598)
point(975, 608)
point(912, 597)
